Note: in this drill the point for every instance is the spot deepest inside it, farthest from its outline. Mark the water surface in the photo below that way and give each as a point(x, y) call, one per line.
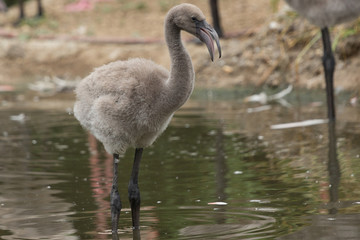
point(299, 183)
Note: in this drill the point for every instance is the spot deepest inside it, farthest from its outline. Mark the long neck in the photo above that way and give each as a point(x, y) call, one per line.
point(181, 81)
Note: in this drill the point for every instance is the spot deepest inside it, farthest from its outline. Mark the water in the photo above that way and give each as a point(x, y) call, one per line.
point(55, 178)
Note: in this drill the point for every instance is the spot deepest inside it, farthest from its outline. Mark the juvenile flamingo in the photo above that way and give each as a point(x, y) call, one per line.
point(130, 103)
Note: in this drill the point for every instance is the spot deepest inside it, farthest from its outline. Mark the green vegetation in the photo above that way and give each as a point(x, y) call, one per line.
point(275, 5)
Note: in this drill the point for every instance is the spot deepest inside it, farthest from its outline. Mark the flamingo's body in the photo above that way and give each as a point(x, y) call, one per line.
point(326, 13)
point(130, 103)
point(126, 112)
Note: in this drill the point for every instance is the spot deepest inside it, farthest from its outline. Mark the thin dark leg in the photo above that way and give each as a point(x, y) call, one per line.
point(216, 17)
point(40, 9)
point(329, 67)
point(133, 189)
point(21, 9)
point(115, 201)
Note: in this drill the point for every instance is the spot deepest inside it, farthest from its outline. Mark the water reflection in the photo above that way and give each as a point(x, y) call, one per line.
point(333, 168)
point(55, 178)
point(100, 172)
point(29, 208)
point(220, 172)
point(244, 229)
point(331, 225)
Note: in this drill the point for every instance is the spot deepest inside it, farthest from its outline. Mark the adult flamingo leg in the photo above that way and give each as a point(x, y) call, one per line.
point(329, 67)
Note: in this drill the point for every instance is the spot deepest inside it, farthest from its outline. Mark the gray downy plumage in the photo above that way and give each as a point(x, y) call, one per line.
point(130, 103)
point(326, 13)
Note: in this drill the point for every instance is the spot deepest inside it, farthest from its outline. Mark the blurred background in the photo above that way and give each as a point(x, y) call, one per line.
point(224, 169)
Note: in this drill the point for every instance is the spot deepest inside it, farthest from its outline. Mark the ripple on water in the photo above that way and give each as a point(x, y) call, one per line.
point(229, 225)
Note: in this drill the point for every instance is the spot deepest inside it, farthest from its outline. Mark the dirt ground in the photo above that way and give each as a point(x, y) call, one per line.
point(263, 46)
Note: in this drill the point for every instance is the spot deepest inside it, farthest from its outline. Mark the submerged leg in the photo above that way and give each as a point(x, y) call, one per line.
point(133, 190)
point(115, 201)
point(329, 67)
point(333, 169)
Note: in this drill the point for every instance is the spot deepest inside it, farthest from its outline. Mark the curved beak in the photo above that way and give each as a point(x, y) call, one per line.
point(207, 35)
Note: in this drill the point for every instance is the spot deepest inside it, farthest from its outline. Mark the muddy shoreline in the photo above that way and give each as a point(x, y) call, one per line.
point(265, 54)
